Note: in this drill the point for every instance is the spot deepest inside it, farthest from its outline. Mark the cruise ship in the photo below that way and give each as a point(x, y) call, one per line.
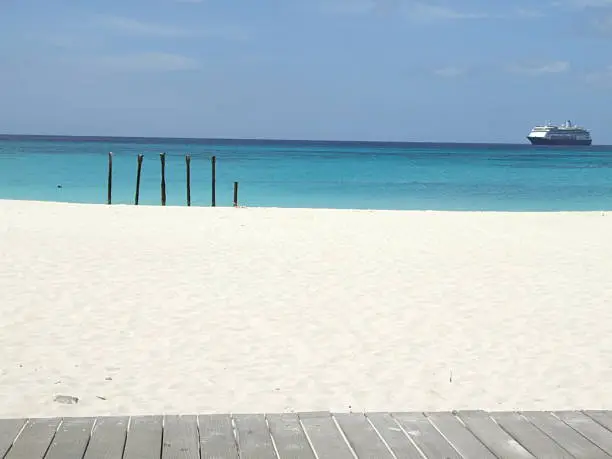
point(566, 134)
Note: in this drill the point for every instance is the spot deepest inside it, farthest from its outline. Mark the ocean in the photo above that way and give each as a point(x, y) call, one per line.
point(344, 175)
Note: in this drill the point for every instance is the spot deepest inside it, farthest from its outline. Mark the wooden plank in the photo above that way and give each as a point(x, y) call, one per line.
point(324, 436)
point(34, 439)
point(426, 436)
point(604, 418)
point(71, 439)
point(394, 436)
point(181, 439)
point(289, 437)
point(107, 438)
point(574, 443)
point(464, 441)
point(144, 438)
point(9, 429)
point(590, 429)
point(533, 439)
point(217, 437)
point(362, 437)
point(254, 440)
point(493, 436)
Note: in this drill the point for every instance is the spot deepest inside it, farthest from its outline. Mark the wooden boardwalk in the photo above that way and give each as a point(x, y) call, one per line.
point(320, 435)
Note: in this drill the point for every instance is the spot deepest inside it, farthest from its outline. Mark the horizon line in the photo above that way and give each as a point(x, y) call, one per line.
point(91, 138)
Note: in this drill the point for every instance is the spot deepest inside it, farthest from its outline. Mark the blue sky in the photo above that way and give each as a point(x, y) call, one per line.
point(407, 70)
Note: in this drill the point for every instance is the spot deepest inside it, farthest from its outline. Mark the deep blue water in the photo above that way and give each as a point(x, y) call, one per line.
point(312, 174)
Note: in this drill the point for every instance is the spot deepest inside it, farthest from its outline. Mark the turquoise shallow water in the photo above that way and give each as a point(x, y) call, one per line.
point(313, 174)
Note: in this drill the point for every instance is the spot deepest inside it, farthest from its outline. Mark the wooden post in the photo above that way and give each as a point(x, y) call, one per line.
point(235, 194)
point(188, 165)
point(110, 177)
point(138, 170)
point(214, 181)
point(162, 157)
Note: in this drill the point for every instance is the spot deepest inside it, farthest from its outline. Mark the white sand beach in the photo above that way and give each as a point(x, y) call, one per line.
point(139, 310)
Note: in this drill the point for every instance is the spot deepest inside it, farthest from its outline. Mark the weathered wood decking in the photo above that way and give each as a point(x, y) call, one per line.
point(467, 434)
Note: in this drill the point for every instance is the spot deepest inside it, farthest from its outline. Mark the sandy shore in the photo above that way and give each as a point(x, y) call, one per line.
point(148, 310)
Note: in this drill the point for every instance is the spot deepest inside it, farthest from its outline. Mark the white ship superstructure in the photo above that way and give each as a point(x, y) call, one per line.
point(566, 134)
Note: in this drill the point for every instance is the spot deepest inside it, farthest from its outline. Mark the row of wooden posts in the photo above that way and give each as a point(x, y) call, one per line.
point(162, 157)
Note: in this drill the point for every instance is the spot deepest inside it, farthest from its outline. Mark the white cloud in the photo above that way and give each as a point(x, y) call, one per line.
point(135, 27)
point(147, 62)
point(140, 28)
point(358, 7)
point(592, 16)
point(412, 9)
point(603, 77)
point(348, 7)
point(61, 41)
point(450, 72)
point(529, 13)
point(540, 68)
point(602, 24)
point(583, 3)
point(582, 6)
point(428, 12)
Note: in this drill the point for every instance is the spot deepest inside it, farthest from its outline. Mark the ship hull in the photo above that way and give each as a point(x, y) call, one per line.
point(558, 142)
